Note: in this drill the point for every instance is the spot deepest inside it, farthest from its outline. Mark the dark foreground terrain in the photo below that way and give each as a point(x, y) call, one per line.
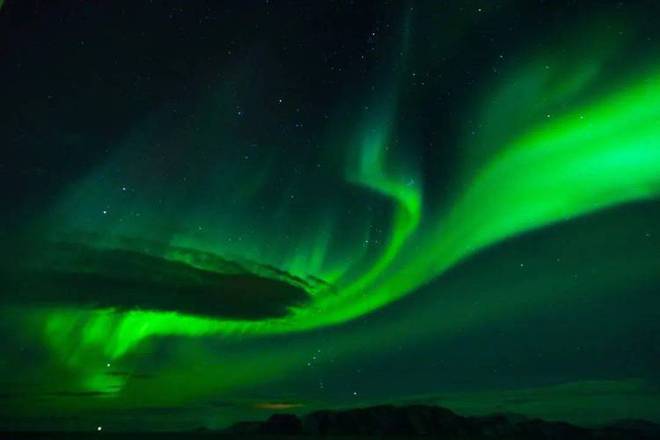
point(387, 421)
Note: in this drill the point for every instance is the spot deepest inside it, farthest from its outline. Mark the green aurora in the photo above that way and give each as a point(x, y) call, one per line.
point(380, 244)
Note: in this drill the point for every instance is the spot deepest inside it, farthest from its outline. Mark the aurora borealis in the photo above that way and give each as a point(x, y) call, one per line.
point(218, 210)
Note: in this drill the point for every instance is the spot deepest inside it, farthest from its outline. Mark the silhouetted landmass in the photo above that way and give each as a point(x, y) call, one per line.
point(434, 422)
point(417, 421)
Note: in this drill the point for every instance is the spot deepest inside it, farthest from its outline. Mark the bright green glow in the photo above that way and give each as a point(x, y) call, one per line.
point(604, 154)
point(402, 207)
point(112, 333)
point(581, 162)
point(532, 167)
point(91, 341)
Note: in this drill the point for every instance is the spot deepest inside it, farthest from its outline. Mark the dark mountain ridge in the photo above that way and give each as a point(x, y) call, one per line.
point(433, 422)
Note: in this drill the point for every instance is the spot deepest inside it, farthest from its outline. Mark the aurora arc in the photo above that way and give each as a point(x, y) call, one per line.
point(597, 156)
point(283, 207)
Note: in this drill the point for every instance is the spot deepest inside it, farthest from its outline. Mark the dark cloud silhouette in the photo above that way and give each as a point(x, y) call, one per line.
point(76, 274)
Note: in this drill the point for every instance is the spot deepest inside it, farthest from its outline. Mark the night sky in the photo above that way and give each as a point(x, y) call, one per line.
point(213, 211)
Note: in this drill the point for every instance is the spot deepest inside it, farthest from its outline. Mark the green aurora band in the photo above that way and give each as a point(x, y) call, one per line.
point(546, 167)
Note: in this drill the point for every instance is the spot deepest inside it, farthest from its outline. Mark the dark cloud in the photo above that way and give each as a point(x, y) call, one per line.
point(75, 274)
